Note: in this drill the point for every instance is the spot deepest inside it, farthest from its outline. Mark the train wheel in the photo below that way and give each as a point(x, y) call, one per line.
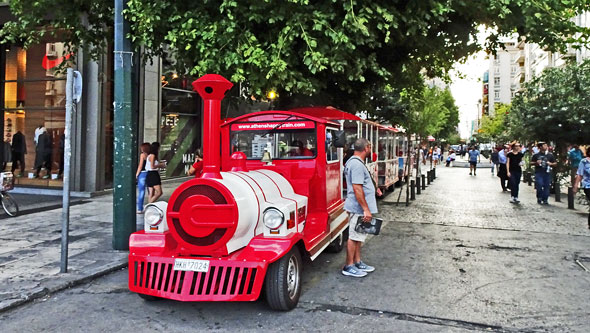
point(339, 243)
point(283, 281)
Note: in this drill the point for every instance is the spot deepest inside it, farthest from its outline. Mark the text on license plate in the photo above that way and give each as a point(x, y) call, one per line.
point(193, 265)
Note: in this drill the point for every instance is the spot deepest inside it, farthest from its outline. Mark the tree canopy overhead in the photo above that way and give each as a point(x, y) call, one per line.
point(344, 50)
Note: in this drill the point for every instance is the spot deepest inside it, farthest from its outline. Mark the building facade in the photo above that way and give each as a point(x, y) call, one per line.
point(32, 89)
point(504, 75)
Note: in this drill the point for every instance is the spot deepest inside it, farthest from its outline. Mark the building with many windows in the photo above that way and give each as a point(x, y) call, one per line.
point(503, 76)
point(519, 62)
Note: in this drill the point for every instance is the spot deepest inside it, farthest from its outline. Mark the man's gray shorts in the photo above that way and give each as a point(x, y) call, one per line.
point(353, 234)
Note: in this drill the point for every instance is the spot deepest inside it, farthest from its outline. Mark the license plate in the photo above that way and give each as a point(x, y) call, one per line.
point(193, 265)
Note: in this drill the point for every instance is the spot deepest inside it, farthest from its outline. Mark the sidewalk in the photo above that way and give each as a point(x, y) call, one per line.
point(31, 249)
point(456, 198)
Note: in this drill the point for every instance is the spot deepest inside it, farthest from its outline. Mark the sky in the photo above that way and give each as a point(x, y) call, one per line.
point(468, 90)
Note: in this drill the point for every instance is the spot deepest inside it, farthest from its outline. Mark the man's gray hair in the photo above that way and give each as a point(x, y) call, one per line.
point(361, 144)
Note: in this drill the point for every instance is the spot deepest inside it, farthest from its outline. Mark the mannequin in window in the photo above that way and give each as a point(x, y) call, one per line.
point(7, 157)
point(44, 150)
point(19, 149)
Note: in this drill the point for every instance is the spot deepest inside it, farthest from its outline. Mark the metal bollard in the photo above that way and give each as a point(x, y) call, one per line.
point(530, 179)
point(570, 198)
point(412, 190)
point(423, 182)
point(434, 174)
point(428, 177)
point(418, 187)
point(557, 192)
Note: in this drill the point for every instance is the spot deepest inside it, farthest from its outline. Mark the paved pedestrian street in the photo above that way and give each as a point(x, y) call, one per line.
point(459, 258)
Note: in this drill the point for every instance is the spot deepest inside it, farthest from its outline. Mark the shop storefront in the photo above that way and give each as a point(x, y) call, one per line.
point(32, 98)
point(180, 128)
point(34, 113)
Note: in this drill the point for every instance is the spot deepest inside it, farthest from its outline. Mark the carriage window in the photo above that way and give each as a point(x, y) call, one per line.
point(331, 150)
point(382, 146)
point(281, 144)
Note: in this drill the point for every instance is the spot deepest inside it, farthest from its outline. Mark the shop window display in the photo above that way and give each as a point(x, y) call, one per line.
point(34, 114)
point(180, 127)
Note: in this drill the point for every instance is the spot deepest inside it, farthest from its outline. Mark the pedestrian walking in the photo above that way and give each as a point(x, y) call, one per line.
point(583, 178)
point(474, 156)
point(153, 181)
point(574, 156)
point(141, 175)
point(544, 163)
point(502, 170)
point(494, 158)
point(360, 202)
point(435, 155)
point(513, 164)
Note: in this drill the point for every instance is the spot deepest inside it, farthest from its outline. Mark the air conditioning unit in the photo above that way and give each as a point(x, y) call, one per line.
point(50, 50)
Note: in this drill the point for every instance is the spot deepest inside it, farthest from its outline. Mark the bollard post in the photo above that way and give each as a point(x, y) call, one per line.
point(570, 197)
point(557, 192)
point(434, 174)
point(418, 187)
point(423, 182)
point(530, 180)
point(412, 190)
point(428, 176)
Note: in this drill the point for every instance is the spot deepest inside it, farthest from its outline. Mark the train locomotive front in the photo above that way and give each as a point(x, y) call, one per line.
point(225, 236)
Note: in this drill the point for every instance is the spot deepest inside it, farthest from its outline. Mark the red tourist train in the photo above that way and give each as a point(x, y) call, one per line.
point(271, 196)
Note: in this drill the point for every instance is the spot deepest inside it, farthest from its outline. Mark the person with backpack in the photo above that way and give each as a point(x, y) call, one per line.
point(574, 157)
point(494, 159)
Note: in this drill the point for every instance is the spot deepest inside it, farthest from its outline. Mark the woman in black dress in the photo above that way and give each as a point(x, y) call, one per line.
point(152, 166)
point(513, 164)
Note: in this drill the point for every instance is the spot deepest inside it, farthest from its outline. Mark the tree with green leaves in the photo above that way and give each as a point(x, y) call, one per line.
point(429, 111)
point(554, 107)
point(494, 128)
point(345, 52)
point(451, 110)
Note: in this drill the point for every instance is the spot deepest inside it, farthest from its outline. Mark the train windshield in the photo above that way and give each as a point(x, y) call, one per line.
point(280, 143)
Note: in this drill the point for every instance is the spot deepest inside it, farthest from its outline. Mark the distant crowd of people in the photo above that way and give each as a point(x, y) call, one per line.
point(509, 159)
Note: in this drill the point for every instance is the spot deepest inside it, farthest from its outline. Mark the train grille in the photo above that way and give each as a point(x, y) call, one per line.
point(223, 280)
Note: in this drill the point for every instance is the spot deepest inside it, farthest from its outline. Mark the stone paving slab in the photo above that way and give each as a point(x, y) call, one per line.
point(31, 249)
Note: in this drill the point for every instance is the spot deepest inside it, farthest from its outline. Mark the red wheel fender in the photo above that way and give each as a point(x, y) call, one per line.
point(268, 250)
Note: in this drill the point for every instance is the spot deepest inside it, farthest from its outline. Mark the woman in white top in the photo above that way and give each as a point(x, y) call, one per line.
point(153, 180)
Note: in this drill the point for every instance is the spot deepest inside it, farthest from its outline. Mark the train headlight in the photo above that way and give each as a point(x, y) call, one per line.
point(273, 218)
point(153, 215)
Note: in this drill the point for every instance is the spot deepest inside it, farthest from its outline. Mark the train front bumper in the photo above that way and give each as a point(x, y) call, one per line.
point(224, 280)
